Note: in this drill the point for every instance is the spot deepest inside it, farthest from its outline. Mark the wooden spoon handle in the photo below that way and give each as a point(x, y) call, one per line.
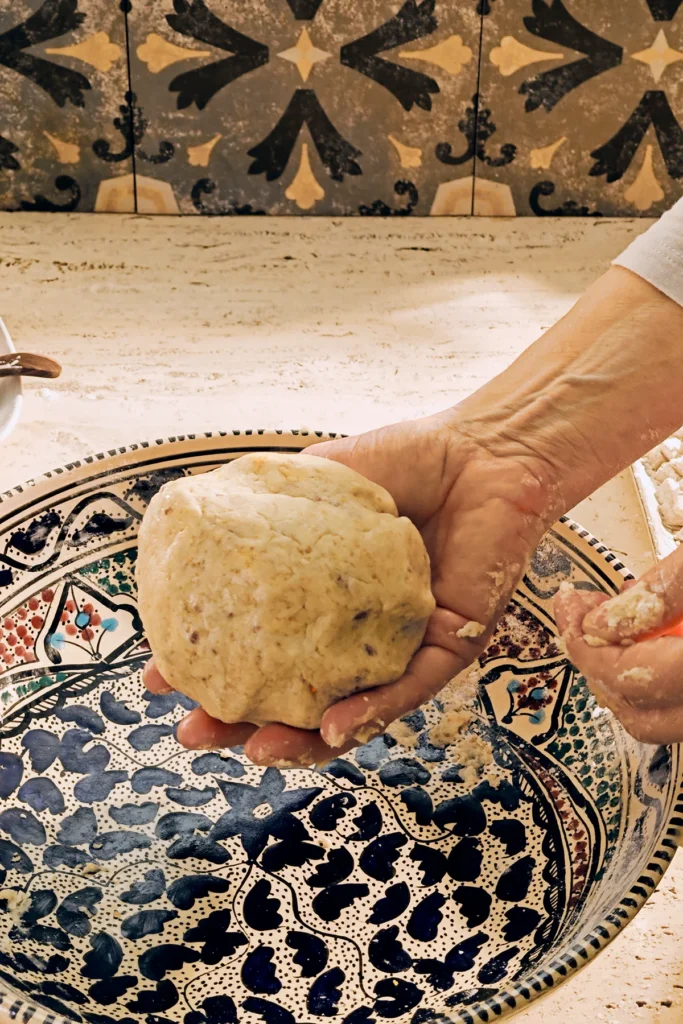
point(24, 364)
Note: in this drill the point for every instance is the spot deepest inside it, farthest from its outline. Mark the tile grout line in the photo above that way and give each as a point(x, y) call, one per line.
point(125, 9)
point(482, 16)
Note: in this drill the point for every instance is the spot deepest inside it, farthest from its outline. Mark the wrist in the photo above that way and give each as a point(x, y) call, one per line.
point(596, 392)
point(481, 441)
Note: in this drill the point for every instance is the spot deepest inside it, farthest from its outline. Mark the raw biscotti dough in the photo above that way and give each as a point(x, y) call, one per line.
point(277, 584)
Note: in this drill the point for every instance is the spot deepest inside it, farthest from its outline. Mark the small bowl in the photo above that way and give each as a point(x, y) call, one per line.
point(10, 390)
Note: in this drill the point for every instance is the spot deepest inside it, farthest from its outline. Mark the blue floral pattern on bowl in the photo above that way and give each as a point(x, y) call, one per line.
point(142, 882)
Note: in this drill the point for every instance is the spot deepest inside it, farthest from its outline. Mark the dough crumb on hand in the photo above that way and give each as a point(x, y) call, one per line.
point(277, 585)
point(637, 610)
point(636, 675)
point(594, 641)
point(471, 629)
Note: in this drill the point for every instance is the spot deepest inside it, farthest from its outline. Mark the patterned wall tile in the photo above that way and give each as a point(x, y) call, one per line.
point(580, 108)
point(303, 106)
point(63, 80)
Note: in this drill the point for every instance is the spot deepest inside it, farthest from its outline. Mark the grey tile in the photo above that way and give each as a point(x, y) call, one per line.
point(300, 106)
point(586, 100)
point(63, 78)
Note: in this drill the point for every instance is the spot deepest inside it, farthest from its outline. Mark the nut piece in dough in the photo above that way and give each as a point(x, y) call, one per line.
point(278, 584)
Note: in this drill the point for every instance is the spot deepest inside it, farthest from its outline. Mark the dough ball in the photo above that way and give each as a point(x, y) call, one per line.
point(277, 584)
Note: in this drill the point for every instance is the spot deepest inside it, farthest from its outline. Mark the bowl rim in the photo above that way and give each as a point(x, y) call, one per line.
point(517, 995)
point(14, 383)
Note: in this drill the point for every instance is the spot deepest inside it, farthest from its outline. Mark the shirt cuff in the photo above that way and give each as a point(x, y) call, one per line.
point(657, 254)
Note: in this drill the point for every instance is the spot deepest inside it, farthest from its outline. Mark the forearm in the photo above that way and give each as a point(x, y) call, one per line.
point(596, 392)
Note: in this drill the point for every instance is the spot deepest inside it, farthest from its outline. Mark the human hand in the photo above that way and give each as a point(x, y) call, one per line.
point(480, 513)
point(630, 649)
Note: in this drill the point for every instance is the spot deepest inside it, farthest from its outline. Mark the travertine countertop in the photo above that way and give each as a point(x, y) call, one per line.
point(168, 326)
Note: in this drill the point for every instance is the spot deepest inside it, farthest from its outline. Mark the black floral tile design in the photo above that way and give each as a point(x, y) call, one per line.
point(585, 103)
point(303, 106)
point(386, 108)
point(63, 94)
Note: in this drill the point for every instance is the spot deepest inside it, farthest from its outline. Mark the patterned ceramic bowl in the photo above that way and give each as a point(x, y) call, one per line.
point(141, 882)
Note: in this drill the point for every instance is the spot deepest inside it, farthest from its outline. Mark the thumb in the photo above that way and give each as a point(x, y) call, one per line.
point(650, 607)
point(407, 459)
point(365, 453)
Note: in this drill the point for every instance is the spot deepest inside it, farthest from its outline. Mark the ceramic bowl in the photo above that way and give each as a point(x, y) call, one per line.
point(141, 882)
point(10, 390)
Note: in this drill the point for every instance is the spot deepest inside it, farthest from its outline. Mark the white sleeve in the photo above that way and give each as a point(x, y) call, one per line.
point(657, 254)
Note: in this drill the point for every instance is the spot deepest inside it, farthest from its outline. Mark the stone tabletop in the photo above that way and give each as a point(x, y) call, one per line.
point(168, 325)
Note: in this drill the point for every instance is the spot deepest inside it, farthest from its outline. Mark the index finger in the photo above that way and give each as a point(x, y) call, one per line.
point(153, 679)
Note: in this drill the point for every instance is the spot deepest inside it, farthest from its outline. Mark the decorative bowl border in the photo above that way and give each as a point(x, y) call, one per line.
point(517, 996)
